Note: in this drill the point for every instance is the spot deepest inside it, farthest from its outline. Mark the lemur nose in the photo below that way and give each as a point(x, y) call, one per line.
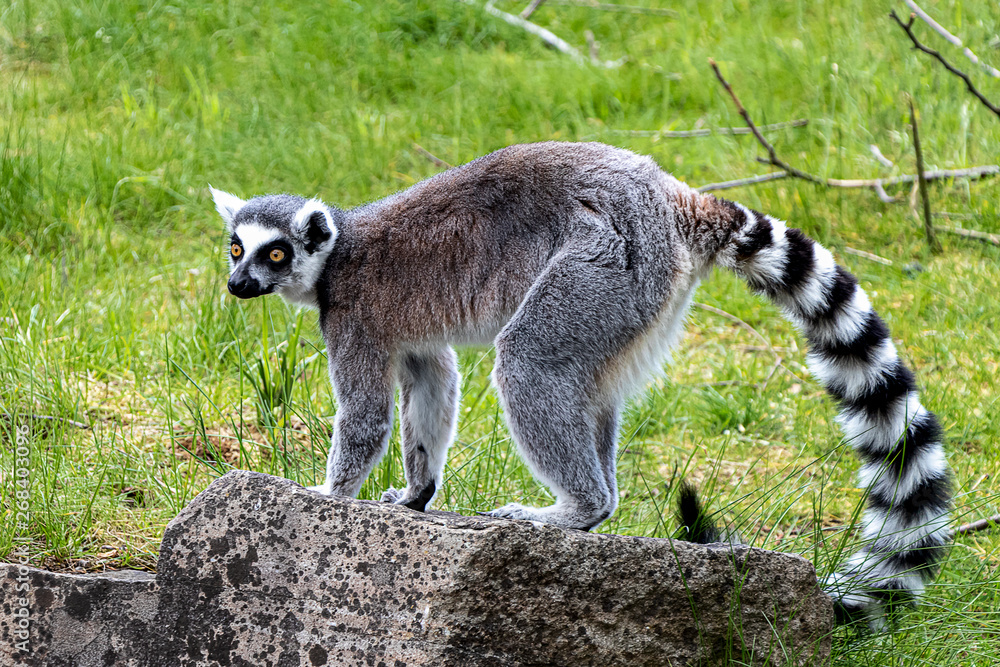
point(243, 286)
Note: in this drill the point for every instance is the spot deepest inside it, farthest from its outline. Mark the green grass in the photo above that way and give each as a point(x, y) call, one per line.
point(114, 117)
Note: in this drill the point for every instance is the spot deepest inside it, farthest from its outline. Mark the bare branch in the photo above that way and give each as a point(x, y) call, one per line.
point(972, 234)
point(932, 241)
point(941, 30)
point(876, 184)
point(530, 9)
point(778, 361)
point(886, 162)
point(772, 154)
point(982, 524)
point(868, 255)
point(882, 194)
point(549, 37)
point(430, 156)
point(609, 7)
point(908, 29)
point(738, 322)
point(953, 215)
point(709, 131)
point(753, 180)
point(970, 173)
point(593, 46)
point(914, 191)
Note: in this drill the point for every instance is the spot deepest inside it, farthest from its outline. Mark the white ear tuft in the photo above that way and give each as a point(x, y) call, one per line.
point(226, 204)
point(314, 224)
point(308, 210)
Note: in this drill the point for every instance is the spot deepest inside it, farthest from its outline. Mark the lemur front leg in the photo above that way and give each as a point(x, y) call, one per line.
point(428, 408)
point(363, 384)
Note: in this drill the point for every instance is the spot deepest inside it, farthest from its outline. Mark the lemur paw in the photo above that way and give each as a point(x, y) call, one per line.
point(566, 515)
point(320, 488)
point(515, 511)
point(393, 495)
point(415, 500)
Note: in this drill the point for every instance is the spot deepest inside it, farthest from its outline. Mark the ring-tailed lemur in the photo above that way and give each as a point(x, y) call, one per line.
point(578, 261)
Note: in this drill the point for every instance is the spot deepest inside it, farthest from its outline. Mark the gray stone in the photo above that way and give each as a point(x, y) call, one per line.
point(259, 571)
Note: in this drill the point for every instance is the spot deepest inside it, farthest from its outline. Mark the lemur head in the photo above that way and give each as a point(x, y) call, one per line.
point(278, 243)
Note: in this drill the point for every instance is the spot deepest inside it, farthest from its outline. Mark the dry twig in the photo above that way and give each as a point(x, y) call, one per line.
point(886, 162)
point(709, 131)
point(867, 255)
point(530, 9)
point(550, 38)
point(725, 185)
point(609, 7)
point(932, 241)
point(882, 194)
point(941, 30)
point(738, 322)
point(982, 524)
point(430, 156)
point(970, 173)
point(772, 154)
point(908, 29)
point(593, 46)
point(972, 234)
point(876, 184)
point(778, 361)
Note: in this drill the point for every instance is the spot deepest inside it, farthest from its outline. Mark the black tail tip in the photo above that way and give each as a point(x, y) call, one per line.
point(696, 524)
point(849, 614)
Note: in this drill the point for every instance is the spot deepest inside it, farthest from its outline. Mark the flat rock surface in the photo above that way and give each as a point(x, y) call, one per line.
point(259, 571)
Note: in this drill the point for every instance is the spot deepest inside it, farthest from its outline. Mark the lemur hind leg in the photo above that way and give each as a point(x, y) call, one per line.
point(428, 408)
point(577, 320)
point(548, 418)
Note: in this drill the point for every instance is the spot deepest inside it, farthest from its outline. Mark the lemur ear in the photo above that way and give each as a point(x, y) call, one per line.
point(226, 204)
point(314, 224)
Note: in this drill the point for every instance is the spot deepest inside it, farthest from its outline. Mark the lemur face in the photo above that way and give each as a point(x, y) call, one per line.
point(278, 243)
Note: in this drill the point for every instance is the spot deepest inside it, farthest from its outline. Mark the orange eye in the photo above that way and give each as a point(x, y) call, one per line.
point(237, 250)
point(277, 255)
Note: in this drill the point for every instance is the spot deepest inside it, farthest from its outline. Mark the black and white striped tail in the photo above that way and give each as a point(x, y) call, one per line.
point(905, 525)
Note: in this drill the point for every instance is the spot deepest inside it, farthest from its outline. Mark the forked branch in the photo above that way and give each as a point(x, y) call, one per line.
point(908, 29)
point(788, 171)
point(549, 37)
point(941, 30)
point(772, 154)
point(970, 173)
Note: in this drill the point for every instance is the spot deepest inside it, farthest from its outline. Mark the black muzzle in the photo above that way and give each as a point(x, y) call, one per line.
point(244, 286)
